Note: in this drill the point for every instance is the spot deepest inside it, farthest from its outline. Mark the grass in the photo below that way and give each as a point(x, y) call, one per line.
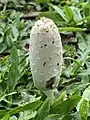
point(19, 98)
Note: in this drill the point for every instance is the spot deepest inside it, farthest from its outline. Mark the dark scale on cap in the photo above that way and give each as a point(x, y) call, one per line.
point(53, 29)
point(44, 63)
point(46, 30)
point(41, 46)
point(50, 58)
point(51, 25)
point(53, 42)
point(57, 64)
point(45, 45)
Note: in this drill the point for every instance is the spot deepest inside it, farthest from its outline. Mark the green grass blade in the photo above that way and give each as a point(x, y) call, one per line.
point(43, 110)
point(72, 29)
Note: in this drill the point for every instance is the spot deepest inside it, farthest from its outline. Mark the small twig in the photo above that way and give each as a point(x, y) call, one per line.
point(30, 15)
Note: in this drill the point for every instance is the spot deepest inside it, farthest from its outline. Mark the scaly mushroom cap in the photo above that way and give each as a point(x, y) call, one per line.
point(45, 54)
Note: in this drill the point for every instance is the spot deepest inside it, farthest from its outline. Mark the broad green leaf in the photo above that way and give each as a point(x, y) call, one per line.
point(84, 102)
point(69, 13)
point(14, 69)
point(30, 106)
point(66, 106)
point(84, 106)
point(60, 12)
point(14, 56)
point(86, 94)
point(59, 99)
point(82, 41)
point(43, 110)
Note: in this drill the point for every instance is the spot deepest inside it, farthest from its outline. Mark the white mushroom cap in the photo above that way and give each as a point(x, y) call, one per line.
point(45, 54)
